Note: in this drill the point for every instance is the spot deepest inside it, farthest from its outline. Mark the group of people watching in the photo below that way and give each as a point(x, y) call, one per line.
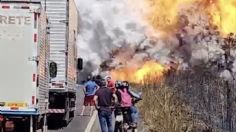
point(106, 95)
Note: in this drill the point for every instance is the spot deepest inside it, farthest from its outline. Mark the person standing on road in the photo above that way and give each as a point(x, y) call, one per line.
point(98, 79)
point(89, 92)
point(110, 83)
point(104, 99)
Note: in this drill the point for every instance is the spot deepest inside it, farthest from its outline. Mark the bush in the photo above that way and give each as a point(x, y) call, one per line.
point(163, 111)
point(187, 101)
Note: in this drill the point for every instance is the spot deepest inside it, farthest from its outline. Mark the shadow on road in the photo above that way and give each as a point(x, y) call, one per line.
point(56, 125)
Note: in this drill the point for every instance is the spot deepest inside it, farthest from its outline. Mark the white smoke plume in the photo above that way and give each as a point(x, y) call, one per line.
point(112, 31)
point(106, 25)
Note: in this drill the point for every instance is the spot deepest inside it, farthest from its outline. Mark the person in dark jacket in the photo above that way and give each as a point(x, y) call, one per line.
point(104, 99)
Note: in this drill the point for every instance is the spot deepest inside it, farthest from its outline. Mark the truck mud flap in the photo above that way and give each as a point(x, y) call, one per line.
point(56, 111)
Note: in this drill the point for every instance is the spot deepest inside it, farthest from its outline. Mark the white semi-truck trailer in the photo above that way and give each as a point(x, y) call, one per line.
point(24, 60)
point(64, 27)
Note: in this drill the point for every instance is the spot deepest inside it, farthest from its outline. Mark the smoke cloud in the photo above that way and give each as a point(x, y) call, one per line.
point(114, 34)
point(106, 25)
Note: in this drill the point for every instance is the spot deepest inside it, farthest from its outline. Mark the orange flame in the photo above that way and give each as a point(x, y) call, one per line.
point(164, 14)
point(150, 69)
point(224, 15)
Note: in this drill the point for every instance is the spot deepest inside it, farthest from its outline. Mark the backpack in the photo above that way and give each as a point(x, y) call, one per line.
point(126, 100)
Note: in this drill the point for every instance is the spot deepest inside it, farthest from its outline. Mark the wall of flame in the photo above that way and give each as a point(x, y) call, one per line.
point(166, 15)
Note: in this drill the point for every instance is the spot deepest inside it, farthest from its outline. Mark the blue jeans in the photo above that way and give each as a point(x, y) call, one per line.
point(134, 114)
point(105, 119)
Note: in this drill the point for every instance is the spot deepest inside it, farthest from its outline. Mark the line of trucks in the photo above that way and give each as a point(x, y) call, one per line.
point(38, 63)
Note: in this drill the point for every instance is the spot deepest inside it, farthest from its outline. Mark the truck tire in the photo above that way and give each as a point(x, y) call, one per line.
point(35, 124)
point(2, 126)
point(43, 124)
point(66, 119)
point(72, 114)
point(67, 114)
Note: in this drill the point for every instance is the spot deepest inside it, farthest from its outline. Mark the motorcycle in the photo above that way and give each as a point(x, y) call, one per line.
point(123, 120)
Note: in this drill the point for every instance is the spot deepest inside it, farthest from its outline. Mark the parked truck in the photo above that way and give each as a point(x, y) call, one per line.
point(64, 27)
point(24, 60)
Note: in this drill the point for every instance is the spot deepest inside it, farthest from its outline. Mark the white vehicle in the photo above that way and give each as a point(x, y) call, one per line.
point(24, 57)
point(64, 24)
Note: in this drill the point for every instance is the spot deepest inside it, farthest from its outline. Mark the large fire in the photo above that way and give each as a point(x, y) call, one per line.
point(150, 69)
point(224, 15)
point(165, 13)
point(167, 16)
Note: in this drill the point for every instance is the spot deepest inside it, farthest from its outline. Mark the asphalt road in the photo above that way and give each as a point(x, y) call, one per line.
point(80, 123)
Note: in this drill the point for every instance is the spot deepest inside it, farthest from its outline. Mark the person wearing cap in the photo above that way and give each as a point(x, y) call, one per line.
point(89, 92)
point(104, 99)
point(110, 83)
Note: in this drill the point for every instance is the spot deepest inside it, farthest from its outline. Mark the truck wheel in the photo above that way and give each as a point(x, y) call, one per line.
point(43, 124)
point(35, 124)
point(72, 114)
point(65, 121)
point(67, 114)
point(2, 126)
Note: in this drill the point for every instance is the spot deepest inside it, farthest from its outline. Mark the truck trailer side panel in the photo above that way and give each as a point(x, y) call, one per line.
point(63, 19)
point(43, 64)
point(17, 49)
point(72, 48)
point(24, 55)
point(56, 12)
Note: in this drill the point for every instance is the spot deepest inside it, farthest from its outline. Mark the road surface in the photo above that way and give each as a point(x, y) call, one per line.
point(84, 123)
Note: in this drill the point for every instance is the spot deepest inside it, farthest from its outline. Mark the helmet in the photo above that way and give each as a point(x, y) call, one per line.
point(118, 84)
point(125, 84)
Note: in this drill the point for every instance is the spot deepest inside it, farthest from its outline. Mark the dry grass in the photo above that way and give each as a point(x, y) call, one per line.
point(186, 102)
point(162, 110)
